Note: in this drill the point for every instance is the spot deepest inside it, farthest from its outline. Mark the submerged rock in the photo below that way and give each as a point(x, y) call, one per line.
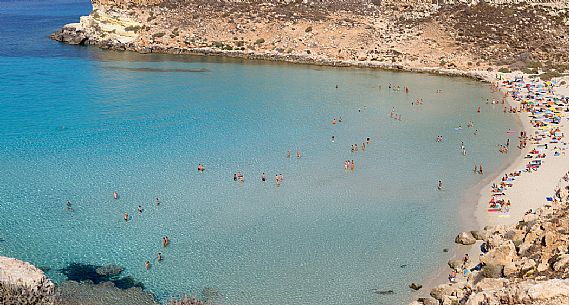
point(109, 270)
point(415, 286)
point(74, 293)
point(383, 292)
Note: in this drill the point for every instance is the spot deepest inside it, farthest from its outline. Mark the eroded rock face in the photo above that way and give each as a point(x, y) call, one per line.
point(23, 283)
point(549, 289)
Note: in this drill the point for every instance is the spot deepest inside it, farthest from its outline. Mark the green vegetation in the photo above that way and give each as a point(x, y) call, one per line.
point(504, 70)
point(132, 28)
point(260, 41)
point(157, 35)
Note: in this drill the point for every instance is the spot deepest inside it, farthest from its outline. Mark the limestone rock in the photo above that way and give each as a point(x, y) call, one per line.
point(561, 262)
point(465, 238)
point(492, 271)
point(510, 269)
point(501, 255)
point(480, 235)
point(490, 284)
point(455, 264)
point(549, 289)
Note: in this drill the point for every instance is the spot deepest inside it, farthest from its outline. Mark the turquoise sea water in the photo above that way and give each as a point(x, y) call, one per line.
point(80, 123)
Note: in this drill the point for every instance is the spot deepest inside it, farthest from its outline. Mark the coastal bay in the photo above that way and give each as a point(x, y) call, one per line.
point(139, 124)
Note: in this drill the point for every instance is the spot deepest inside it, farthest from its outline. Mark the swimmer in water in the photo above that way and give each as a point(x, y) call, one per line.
point(125, 216)
point(159, 257)
point(288, 154)
point(440, 185)
point(147, 265)
point(69, 208)
point(333, 139)
point(298, 154)
point(263, 178)
point(139, 209)
point(115, 195)
point(157, 201)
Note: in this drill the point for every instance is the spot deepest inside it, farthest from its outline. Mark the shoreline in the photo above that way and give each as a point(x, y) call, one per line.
point(470, 206)
point(552, 168)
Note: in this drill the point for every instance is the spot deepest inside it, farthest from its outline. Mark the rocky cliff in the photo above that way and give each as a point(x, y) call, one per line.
point(387, 33)
point(22, 283)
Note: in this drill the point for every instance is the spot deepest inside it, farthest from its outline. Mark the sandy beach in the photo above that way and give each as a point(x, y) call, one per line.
point(528, 191)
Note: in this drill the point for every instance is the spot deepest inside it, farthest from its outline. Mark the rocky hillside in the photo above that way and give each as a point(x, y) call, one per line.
point(388, 33)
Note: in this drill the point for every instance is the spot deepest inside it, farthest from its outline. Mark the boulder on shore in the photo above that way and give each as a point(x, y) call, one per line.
point(465, 238)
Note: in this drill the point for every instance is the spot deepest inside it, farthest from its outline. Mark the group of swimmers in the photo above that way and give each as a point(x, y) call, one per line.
point(334, 121)
point(238, 177)
point(297, 153)
point(159, 258)
point(394, 115)
point(418, 101)
point(201, 168)
point(349, 164)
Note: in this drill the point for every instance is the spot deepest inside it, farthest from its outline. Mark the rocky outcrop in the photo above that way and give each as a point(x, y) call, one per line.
point(465, 238)
point(22, 283)
point(527, 263)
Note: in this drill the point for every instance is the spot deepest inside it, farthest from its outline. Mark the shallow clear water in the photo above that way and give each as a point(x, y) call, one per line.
point(79, 123)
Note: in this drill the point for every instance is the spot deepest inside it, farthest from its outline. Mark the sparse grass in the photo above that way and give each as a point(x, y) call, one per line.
point(132, 28)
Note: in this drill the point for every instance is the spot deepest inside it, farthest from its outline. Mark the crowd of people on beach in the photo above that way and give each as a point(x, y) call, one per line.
point(545, 110)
